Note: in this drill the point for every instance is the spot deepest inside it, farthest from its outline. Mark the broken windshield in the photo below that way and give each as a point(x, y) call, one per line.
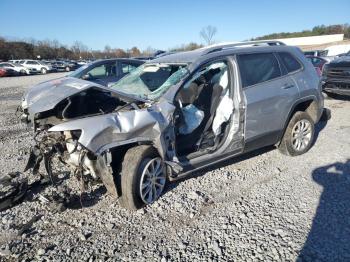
point(150, 81)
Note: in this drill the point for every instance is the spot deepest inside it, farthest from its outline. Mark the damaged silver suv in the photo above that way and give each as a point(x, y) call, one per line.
point(174, 115)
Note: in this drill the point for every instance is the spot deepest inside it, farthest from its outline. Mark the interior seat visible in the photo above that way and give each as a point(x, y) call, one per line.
point(205, 97)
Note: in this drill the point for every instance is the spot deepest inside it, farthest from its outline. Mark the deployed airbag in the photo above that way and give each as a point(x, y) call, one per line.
point(192, 119)
point(223, 113)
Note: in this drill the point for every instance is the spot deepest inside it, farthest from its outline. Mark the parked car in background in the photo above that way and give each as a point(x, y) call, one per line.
point(325, 54)
point(2, 72)
point(35, 66)
point(336, 50)
point(47, 62)
point(175, 115)
point(82, 62)
point(106, 71)
point(20, 69)
point(64, 66)
point(156, 54)
point(336, 76)
point(14, 61)
point(315, 53)
point(318, 63)
point(11, 72)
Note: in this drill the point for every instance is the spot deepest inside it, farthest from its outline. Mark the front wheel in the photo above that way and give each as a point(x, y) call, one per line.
point(43, 70)
point(298, 136)
point(67, 69)
point(143, 177)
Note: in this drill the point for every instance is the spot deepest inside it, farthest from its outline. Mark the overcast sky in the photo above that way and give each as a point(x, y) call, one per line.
point(161, 24)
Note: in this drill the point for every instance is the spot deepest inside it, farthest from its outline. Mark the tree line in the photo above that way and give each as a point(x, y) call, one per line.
point(52, 49)
point(315, 31)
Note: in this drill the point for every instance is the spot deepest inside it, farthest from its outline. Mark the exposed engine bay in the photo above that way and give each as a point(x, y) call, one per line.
point(83, 104)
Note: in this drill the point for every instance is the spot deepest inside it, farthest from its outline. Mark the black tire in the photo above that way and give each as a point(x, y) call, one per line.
point(23, 72)
point(286, 146)
point(135, 160)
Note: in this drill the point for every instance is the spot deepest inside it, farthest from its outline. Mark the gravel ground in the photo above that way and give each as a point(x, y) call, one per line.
point(260, 207)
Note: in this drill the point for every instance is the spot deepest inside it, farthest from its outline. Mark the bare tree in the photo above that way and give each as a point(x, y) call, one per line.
point(120, 53)
point(207, 33)
point(79, 48)
point(134, 52)
point(149, 51)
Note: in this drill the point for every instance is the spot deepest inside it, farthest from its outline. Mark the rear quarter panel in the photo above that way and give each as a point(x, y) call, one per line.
point(307, 80)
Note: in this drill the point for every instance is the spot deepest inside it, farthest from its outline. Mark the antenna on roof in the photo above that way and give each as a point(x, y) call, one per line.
point(220, 47)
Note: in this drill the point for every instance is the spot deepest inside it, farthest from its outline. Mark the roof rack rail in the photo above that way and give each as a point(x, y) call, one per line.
point(219, 47)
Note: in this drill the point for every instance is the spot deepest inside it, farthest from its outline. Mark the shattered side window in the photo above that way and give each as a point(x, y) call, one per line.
point(150, 81)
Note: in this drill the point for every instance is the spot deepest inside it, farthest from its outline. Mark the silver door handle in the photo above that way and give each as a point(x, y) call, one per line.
point(287, 86)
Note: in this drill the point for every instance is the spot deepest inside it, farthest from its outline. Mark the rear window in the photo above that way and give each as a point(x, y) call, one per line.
point(290, 62)
point(258, 68)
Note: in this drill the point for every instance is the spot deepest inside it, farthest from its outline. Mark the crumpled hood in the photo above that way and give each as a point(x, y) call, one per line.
point(47, 95)
point(110, 130)
point(343, 61)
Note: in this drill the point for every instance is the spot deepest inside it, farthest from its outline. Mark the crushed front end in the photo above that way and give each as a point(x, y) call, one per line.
point(85, 128)
point(64, 147)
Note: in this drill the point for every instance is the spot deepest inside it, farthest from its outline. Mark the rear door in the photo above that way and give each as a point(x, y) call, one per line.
point(269, 94)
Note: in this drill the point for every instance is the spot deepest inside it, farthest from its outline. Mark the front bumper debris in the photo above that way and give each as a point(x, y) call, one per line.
point(82, 163)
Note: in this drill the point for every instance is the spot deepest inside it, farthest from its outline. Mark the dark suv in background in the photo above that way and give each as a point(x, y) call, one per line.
point(64, 66)
point(336, 76)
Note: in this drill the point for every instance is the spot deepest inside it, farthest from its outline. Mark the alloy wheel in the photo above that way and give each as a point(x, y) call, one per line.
point(301, 134)
point(152, 181)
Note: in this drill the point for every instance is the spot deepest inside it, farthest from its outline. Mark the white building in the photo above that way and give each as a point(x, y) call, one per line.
point(312, 40)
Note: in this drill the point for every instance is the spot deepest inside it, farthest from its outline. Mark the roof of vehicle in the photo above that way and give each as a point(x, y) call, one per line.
point(203, 54)
point(11, 63)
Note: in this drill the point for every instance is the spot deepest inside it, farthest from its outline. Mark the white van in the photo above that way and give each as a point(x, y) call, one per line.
point(337, 50)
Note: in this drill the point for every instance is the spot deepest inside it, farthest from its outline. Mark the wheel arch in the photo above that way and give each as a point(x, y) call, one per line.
point(307, 104)
point(118, 152)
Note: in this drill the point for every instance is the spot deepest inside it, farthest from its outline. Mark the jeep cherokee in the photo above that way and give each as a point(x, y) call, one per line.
point(174, 115)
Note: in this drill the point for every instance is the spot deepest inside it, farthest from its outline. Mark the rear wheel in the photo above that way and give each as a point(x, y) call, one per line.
point(23, 72)
point(143, 177)
point(298, 136)
point(43, 70)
